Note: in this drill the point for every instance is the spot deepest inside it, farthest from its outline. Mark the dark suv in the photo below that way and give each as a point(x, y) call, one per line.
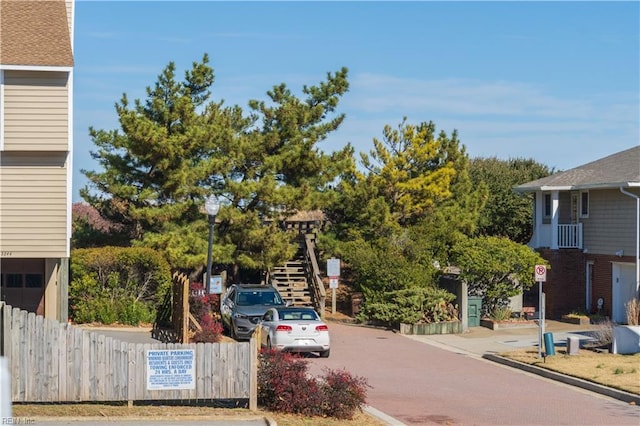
point(243, 305)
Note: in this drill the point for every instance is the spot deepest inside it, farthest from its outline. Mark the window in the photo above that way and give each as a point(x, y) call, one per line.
point(14, 281)
point(33, 280)
point(547, 205)
point(584, 204)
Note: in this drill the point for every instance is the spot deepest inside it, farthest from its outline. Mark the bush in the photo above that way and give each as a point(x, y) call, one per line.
point(412, 306)
point(116, 284)
point(201, 304)
point(602, 334)
point(501, 313)
point(343, 394)
point(284, 386)
point(205, 308)
point(633, 311)
point(211, 330)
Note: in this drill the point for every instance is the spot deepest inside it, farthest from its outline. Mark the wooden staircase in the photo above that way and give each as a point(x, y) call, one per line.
point(298, 280)
point(291, 281)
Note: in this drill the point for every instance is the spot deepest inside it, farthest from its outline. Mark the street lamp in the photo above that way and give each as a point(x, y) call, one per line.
point(211, 205)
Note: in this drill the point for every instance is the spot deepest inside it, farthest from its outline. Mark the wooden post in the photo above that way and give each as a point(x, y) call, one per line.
point(184, 336)
point(253, 369)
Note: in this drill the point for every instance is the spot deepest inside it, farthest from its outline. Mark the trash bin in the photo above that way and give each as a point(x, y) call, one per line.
point(573, 345)
point(549, 348)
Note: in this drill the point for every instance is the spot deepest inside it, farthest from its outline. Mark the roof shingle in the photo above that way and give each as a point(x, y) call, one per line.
point(34, 33)
point(621, 169)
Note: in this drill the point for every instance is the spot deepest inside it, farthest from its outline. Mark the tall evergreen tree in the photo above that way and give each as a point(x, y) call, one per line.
point(178, 147)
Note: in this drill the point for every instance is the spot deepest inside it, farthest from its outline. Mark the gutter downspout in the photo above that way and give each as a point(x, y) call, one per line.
point(637, 236)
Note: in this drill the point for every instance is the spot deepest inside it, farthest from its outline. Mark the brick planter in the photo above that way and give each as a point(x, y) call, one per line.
point(576, 320)
point(450, 327)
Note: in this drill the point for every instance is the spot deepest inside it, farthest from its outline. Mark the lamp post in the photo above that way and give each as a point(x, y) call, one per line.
point(211, 205)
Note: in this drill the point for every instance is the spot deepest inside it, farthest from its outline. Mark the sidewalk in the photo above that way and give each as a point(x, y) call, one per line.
point(484, 343)
point(479, 341)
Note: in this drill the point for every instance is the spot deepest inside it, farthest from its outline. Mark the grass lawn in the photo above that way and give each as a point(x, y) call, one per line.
point(114, 411)
point(612, 370)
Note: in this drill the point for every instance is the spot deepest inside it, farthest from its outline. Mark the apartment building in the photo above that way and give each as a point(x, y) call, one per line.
point(36, 145)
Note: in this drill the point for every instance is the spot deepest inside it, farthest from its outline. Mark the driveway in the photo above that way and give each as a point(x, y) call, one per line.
point(420, 384)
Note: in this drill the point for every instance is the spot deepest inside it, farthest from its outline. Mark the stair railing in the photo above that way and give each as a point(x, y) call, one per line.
point(313, 274)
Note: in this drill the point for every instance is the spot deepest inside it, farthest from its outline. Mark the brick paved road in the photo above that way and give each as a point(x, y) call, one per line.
point(420, 384)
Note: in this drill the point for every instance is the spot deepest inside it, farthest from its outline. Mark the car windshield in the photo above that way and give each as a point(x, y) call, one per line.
point(249, 298)
point(297, 315)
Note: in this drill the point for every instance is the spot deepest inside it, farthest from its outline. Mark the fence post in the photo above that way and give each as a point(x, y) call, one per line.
point(185, 309)
point(254, 349)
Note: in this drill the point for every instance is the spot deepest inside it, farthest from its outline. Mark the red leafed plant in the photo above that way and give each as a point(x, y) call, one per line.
point(205, 308)
point(284, 386)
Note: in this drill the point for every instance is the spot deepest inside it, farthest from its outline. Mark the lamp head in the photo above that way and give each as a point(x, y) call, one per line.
point(212, 205)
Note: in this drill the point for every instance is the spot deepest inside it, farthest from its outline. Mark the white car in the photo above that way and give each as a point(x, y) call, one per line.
point(294, 329)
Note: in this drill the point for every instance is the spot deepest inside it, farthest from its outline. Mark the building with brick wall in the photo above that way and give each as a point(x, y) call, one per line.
point(587, 226)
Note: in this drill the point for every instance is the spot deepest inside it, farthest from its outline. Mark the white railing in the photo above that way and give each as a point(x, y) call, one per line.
point(570, 236)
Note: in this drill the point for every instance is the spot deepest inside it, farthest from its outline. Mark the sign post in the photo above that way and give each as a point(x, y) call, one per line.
point(541, 276)
point(333, 271)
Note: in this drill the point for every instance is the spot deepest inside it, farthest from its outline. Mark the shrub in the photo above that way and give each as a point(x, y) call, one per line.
point(117, 284)
point(211, 330)
point(205, 308)
point(342, 394)
point(412, 306)
point(201, 304)
point(501, 314)
point(602, 334)
point(284, 386)
point(633, 311)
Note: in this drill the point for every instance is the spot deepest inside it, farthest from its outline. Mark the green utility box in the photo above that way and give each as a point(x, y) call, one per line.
point(474, 310)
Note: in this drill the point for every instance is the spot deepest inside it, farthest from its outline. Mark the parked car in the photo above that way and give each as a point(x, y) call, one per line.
point(243, 305)
point(295, 329)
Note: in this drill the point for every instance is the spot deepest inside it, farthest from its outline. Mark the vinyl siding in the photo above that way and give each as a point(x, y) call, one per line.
point(564, 208)
point(36, 111)
point(33, 210)
point(611, 223)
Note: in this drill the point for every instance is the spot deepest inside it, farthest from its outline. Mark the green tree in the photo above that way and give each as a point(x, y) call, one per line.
point(397, 217)
point(410, 168)
point(178, 147)
point(495, 268)
point(506, 213)
point(406, 178)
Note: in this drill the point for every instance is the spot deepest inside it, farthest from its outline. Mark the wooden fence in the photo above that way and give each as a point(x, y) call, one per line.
point(54, 362)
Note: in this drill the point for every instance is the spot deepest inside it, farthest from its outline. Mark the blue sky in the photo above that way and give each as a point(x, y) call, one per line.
point(554, 81)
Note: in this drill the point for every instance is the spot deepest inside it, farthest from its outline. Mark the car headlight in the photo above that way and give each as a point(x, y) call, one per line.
point(239, 315)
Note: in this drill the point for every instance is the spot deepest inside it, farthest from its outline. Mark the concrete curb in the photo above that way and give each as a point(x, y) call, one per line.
point(382, 416)
point(573, 381)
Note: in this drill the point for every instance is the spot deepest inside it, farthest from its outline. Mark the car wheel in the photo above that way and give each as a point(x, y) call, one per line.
point(269, 343)
point(325, 354)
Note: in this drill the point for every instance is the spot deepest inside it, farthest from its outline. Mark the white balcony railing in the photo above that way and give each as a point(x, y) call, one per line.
point(570, 236)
